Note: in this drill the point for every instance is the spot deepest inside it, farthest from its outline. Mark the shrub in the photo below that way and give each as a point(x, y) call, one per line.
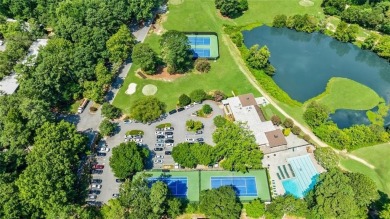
point(316, 114)
point(279, 21)
point(288, 123)
point(202, 65)
point(194, 125)
point(135, 132)
point(207, 109)
point(111, 112)
point(296, 130)
point(219, 121)
point(93, 109)
point(286, 131)
point(276, 120)
point(107, 128)
point(184, 100)
point(255, 208)
point(244, 5)
point(326, 157)
point(218, 96)
point(198, 95)
point(306, 137)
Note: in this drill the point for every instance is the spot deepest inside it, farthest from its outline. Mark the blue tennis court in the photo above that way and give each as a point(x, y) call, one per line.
point(177, 185)
point(245, 186)
point(199, 40)
point(203, 53)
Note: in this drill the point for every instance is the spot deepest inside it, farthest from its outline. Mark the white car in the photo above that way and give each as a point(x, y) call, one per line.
point(92, 196)
point(160, 156)
point(104, 149)
point(158, 161)
point(159, 133)
point(190, 140)
point(169, 144)
point(96, 186)
point(177, 166)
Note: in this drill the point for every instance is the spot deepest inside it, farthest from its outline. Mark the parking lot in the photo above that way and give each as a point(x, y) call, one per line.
point(149, 139)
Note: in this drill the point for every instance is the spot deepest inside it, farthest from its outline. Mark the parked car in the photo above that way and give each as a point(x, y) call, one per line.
point(96, 171)
point(99, 154)
point(92, 196)
point(158, 161)
point(160, 136)
point(158, 149)
point(96, 186)
point(168, 133)
point(200, 139)
point(180, 109)
point(160, 156)
point(169, 128)
point(82, 106)
point(119, 180)
point(115, 195)
point(169, 141)
point(168, 152)
point(94, 191)
point(169, 136)
point(177, 166)
point(159, 133)
point(159, 145)
point(199, 132)
point(97, 181)
point(190, 140)
point(98, 166)
point(160, 140)
point(172, 112)
point(169, 145)
point(104, 149)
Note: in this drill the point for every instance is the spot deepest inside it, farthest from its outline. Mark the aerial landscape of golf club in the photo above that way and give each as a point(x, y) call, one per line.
point(194, 109)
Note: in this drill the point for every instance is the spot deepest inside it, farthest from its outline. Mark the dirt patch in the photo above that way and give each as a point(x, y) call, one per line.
point(162, 75)
point(157, 27)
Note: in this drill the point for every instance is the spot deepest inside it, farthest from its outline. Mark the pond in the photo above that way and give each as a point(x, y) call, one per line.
point(305, 62)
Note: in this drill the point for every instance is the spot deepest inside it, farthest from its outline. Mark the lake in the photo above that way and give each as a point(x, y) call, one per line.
point(305, 62)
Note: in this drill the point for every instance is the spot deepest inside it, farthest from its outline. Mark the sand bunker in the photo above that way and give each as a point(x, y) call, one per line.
point(306, 3)
point(149, 89)
point(131, 88)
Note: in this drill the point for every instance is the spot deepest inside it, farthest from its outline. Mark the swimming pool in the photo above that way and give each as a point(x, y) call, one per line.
point(305, 176)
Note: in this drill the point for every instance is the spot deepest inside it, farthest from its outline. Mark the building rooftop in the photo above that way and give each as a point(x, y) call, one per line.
point(276, 138)
point(9, 84)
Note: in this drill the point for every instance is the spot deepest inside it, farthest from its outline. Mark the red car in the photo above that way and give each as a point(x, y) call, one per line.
point(98, 166)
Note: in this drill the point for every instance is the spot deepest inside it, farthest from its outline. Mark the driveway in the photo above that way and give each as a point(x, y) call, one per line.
point(178, 120)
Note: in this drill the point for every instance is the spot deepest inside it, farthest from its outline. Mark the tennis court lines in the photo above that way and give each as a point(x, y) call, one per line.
point(197, 41)
point(245, 186)
point(201, 52)
point(177, 185)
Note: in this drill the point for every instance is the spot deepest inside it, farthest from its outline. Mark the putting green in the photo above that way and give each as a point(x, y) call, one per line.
point(149, 90)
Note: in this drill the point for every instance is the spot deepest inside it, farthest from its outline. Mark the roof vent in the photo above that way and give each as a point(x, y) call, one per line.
point(276, 136)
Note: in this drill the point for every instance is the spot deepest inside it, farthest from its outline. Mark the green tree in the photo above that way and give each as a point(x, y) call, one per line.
point(286, 205)
point(276, 120)
point(174, 207)
point(158, 197)
point(194, 125)
point(113, 210)
point(220, 203)
point(182, 154)
point(385, 212)
point(296, 130)
point(327, 157)
point(207, 109)
point(345, 32)
point(50, 177)
point(176, 51)
point(107, 128)
point(382, 48)
point(127, 159)
point(219, 121)
point(255, 208)
point(111, 112)
point(120, 44)
point(184, 100)
point(229, 8)
point(288, 123)
point(198, 95)
point(332, 189)
point(203, 153)
point(316, 114)
point(244, 5)
point(365, 189)
point(258, 58)
point(202, 65)
point(145, 57)
point(279, 21)
point(237, 148)
point(147, 109)
point(142, 10)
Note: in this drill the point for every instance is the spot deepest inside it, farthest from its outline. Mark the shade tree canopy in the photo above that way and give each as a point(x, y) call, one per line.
point(107, 128)
point(198, 95)
point(147, 109)
point(111, 112)
point(127, 159)
point(145, 57)
point(120, 44)
point(327, 157)
point(190, 155)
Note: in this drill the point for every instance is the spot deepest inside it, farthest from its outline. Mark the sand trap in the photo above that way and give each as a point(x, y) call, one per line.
point(149, 89)
point(131, 88)
point(306, 3)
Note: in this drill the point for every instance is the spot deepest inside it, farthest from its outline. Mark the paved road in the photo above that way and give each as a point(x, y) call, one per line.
point(109, 186)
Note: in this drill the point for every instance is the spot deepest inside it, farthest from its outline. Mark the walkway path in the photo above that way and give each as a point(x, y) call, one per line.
point(242, 65)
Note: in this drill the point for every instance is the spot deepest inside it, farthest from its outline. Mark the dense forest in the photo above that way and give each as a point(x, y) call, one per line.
point(39, 156)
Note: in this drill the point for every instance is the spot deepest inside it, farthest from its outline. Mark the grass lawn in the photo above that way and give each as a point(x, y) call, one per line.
point(376, 155)
point(265, 10)
point(270, 110)
point(343, 93)
point(224, 75)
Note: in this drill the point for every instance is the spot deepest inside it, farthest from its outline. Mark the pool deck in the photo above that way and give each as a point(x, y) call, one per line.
point(274, 160)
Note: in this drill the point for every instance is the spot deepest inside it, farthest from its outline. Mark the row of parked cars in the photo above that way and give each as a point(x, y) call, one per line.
point(164, 141)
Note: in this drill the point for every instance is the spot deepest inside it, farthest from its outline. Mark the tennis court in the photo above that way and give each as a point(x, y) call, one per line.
point(245, 186)
point(204, 45)
point(177, 185)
